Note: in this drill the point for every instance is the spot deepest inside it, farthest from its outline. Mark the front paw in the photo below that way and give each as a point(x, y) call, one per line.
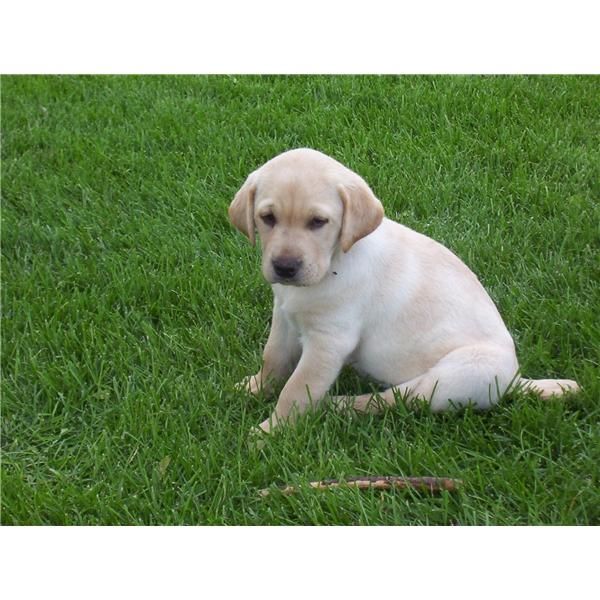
point(251, 384)
point(257, 437)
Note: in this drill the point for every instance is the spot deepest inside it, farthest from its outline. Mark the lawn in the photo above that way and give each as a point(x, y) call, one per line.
point(131, 307)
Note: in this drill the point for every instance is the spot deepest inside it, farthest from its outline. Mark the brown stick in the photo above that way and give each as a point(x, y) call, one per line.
point(428, 484)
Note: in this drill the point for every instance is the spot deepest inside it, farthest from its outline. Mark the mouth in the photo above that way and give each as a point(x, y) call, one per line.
point(287, 281)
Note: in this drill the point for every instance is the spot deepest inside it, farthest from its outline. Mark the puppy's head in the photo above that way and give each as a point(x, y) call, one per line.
point(306, 207)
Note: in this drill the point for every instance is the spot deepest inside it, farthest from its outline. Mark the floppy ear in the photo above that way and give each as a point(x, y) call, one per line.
point(362, 212)
point(241, 210)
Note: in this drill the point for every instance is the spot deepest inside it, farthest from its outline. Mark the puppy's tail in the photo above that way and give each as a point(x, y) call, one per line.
point(549, 388)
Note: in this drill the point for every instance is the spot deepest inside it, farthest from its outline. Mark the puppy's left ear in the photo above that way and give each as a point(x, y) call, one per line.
point(241, 210)
point(363, 212)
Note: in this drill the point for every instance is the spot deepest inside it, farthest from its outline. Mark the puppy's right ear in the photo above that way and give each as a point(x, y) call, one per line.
point(241, 210)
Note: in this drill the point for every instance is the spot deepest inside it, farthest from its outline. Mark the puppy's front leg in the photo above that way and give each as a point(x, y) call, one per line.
point(322, 359)
point(280, 355)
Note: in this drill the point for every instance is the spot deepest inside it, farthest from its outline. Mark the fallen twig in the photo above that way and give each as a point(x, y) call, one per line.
point(427, 484)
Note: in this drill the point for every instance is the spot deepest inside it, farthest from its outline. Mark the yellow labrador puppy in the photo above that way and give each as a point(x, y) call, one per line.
point(352, 287)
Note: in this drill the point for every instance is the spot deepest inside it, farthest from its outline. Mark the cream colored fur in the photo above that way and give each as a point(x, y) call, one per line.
point(363, 290)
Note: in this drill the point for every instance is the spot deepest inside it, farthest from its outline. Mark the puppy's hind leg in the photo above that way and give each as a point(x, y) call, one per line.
point(477, 375)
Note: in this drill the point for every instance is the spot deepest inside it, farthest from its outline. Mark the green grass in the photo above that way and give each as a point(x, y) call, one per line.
point(131, 306)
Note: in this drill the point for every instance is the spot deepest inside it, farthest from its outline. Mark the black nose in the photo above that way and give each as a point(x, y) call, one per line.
point(286, 267)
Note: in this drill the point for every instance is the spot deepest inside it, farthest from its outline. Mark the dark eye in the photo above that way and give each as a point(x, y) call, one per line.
point(269, 219)
point(317, 222)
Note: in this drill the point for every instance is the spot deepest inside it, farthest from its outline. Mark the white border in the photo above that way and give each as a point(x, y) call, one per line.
point(298, 562)
point(312, 36)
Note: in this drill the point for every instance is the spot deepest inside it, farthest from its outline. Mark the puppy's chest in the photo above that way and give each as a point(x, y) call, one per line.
point(302, 321)
point(311, 315)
